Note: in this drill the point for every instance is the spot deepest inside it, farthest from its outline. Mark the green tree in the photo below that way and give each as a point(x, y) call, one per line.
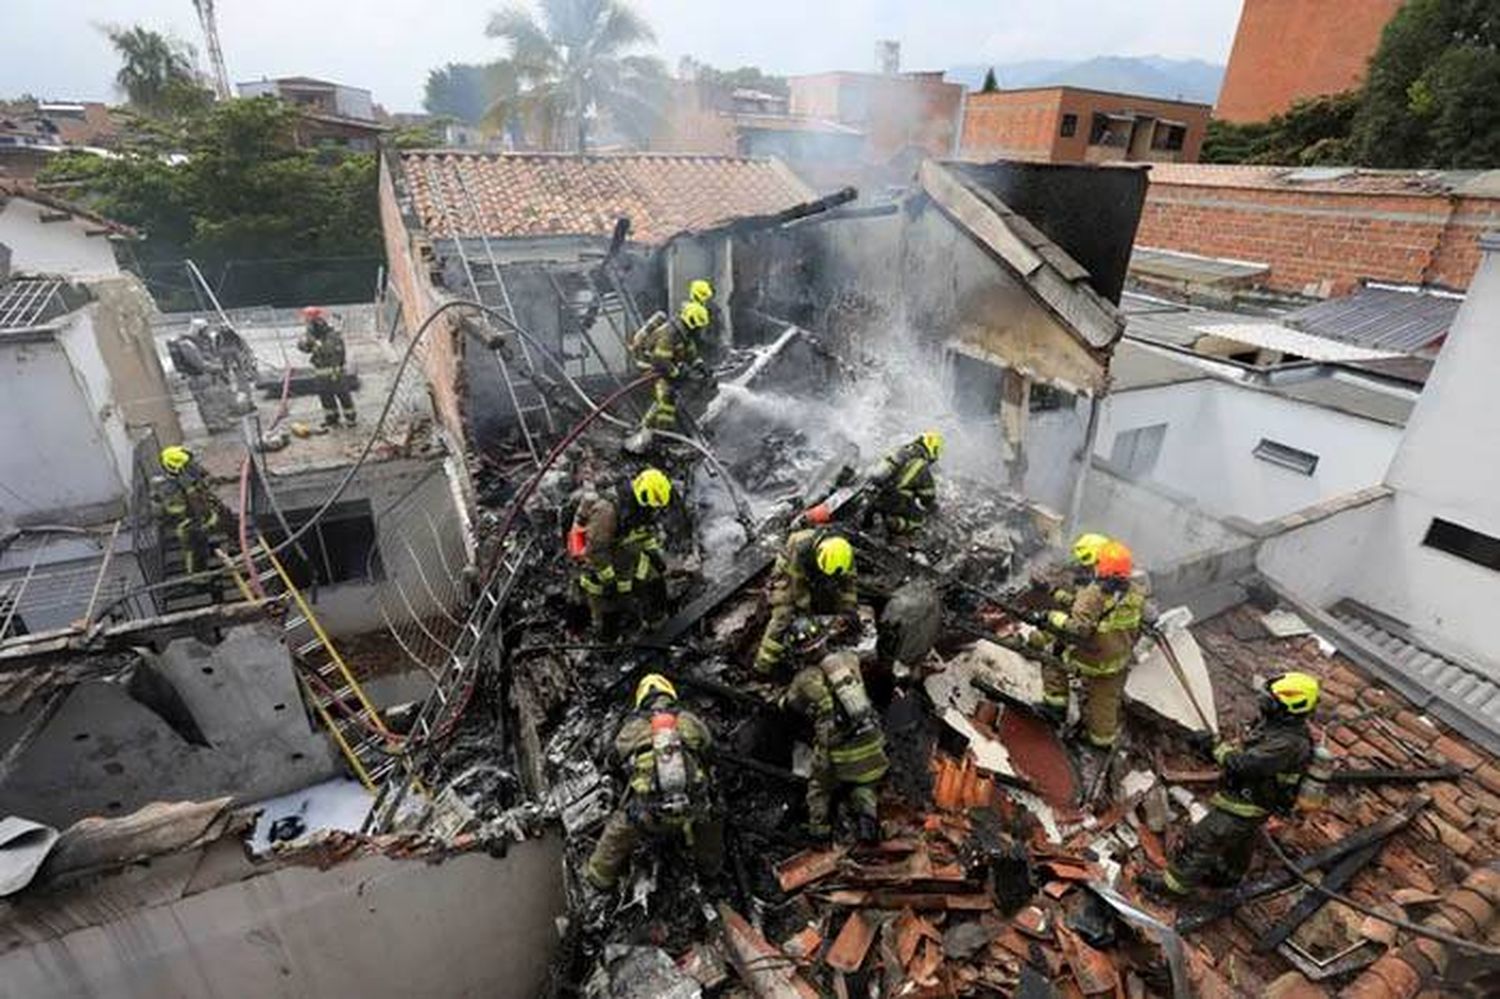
point(990, 85)
point(228, 185)
point(1432, 97)
point(156, 71)
point(1311, 132)
point(463, 91)
point(575, 65)
point(730, 80)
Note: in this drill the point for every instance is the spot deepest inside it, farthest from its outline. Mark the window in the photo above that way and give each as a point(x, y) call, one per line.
point(1109, 130)
point(1046, 398)
point(1168, 137)
point(339, 549)
point(1134, 452)
point(1469, 545)
point(1303, 462)
point(1069, 125)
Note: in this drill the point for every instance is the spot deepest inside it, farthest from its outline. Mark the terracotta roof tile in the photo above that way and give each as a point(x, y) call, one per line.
point(538, 194)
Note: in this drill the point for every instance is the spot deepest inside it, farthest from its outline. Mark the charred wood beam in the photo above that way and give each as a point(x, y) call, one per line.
point(128, 634)
point(750, 563)
point(1374, 833)
point(1377, 775)
point(1337, 879)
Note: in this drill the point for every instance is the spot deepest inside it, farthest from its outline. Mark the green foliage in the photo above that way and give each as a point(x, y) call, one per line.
point(743, 78)
point(1314, 131)
point(156, 72)
point(1432, 98)
point(573, 65)
point(229, 183)
point(463, 91)
point(990, 85)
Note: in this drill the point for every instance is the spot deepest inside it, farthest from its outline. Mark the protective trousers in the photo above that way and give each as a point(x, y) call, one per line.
point(704, 836)
point(333, 393)
point(1214, 853)
point(1101, 700)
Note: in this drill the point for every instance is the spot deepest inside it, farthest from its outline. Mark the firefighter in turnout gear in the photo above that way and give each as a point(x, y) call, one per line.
point(325, 347)
point(1061, 584)
point(668, 799)
point(186, 503)
point(614, 533)
point(814, 574)
point(1097, 632)
point(1260, 778)
point(849, 757)
point(673, 349)
point(903, 491)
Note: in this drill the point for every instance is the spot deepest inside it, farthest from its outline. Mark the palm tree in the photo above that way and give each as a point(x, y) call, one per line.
point(574, 65)
point(154, 70)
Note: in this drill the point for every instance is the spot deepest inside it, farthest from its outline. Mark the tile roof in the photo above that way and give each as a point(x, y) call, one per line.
point(17, 189)
point(1380, 318)
point(538, 194)
point(1344, 180)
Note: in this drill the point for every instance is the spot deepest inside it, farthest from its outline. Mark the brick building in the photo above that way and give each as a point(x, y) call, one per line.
point(1073, 125)
point(1320, 231)
point(896, 112)
point(1286, 50)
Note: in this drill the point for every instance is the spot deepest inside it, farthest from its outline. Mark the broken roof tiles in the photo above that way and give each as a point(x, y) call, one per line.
point(510, 195)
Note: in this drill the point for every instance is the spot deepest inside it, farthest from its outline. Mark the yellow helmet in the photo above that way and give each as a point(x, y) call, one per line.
point(653, 683)
point(1086, 548)
point(700, 291)
point(652, 488)
point(693, 315)
point(835, 556)
point(933, 442)
point(175, 457)
point(1297, 692)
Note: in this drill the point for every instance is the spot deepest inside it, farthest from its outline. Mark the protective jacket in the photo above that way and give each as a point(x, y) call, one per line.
point(903, 485)
point(667, 347)
point(188, 497)
point(664, 755)
point(798, 582)
point(845, 724)
point(1261, 777)
point(324, 346)
point(621, 543)
point(1102, 624)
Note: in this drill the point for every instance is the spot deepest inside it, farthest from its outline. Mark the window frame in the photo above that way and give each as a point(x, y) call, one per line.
point(1069, 126)
point(1453, 538)
point(1293, 459)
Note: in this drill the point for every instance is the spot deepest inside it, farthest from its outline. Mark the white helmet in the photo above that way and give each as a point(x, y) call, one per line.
point(197, 324)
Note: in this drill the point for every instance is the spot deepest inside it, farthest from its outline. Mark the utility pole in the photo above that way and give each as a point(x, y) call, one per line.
point(205, 10)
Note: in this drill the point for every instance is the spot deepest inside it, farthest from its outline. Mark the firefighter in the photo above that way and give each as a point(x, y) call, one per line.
point(185, 500)
point(325, 347)
point(669, 796)
point(1098, 632)
point(614, 533)
point(1061, 584)
point(1259, 779)
point(673, 349)
point(902, 489)
point(814, 574)
point(849, 757)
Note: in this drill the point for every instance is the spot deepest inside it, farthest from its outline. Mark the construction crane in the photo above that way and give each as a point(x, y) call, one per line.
point(205, 10)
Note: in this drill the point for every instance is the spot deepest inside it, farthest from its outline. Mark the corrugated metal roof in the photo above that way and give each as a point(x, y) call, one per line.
point(1380, 318)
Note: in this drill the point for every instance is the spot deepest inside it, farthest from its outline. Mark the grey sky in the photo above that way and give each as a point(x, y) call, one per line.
point(49, 47)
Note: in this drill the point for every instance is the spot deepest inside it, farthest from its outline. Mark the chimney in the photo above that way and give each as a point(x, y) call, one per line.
point(888, 56)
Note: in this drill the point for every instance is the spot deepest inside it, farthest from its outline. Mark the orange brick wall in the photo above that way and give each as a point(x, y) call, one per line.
point(1015, 124)
point(1027, 124)
point(1323, 243)
point(1289, 49)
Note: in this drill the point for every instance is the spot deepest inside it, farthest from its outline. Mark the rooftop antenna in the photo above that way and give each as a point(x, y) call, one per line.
point(205, 10)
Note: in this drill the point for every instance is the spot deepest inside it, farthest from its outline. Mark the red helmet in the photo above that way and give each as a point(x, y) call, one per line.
point(1114, 562)
point(310, 313)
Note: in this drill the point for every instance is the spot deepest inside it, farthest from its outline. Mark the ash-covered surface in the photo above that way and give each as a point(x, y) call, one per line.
point(993, 833)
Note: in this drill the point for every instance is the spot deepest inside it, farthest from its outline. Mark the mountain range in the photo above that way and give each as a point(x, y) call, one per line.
point(1148, 76)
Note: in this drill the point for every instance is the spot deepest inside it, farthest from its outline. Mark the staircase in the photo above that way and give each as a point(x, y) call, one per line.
point(1459, 693)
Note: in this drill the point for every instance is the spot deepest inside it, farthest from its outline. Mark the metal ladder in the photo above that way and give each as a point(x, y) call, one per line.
point(330, 687)
point(469, 223)
point(450, 692)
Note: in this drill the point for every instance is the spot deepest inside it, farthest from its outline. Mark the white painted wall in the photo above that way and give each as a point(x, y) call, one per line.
point(1212, 429)
point(62, 445)
point(61, 248)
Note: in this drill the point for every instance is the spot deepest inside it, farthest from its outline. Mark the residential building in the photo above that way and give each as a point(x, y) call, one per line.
point(1321, 231)
point(1075, 125)
point(332, 113)
point(907, 114)
point(32, 132)
point(1289, 50)
point(51, 237)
